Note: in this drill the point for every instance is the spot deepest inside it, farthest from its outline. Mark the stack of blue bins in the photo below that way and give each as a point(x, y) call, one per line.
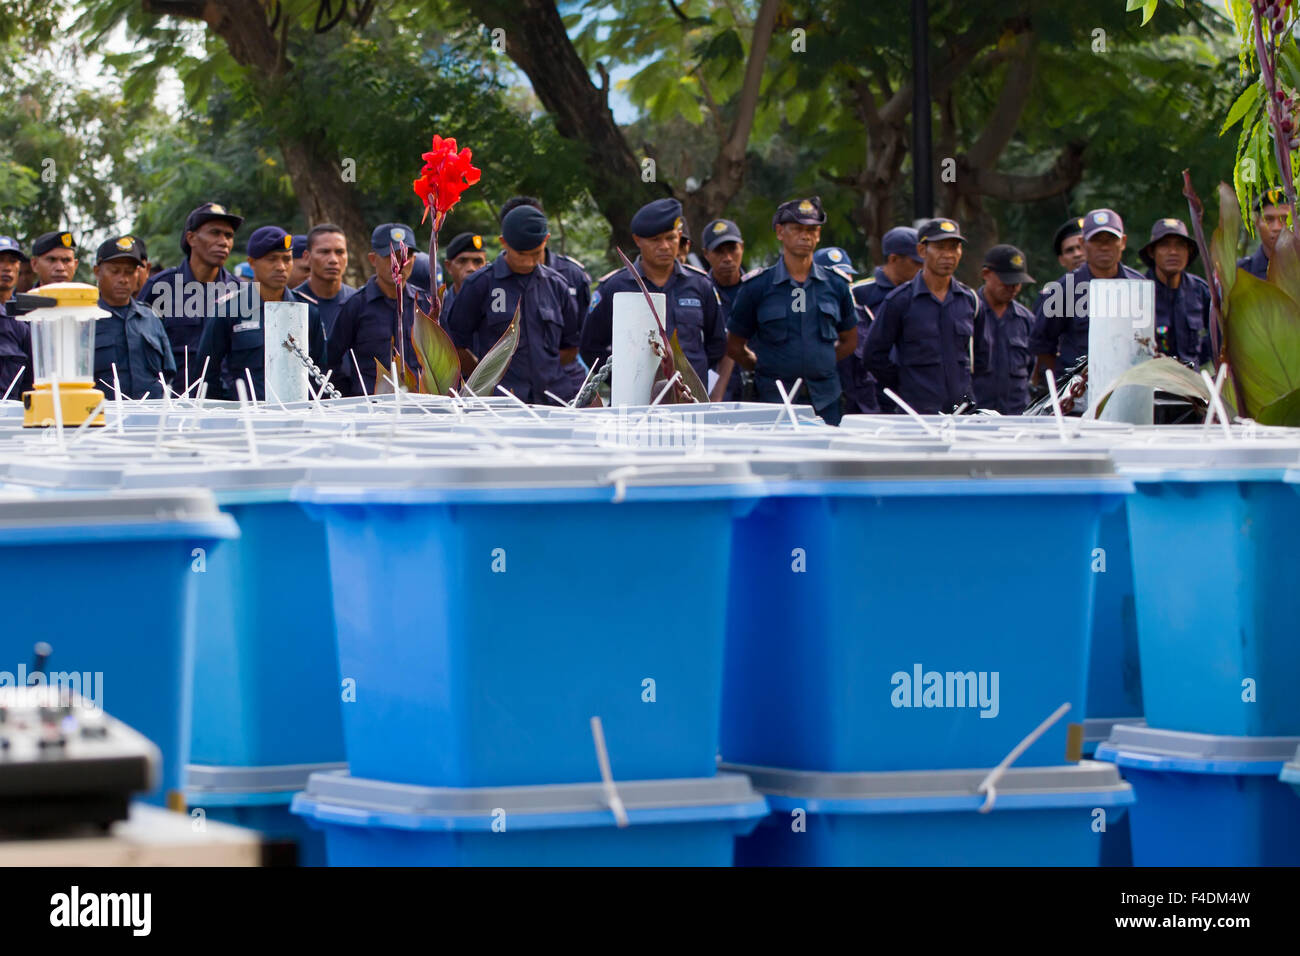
point(486, 612)
point(873, 674)
point(1213, 538)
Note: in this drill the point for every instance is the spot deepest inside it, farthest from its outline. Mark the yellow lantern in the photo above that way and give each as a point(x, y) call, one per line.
point(63, 354)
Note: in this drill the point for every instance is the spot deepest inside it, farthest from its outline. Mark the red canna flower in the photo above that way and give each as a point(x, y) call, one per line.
point(446, 174)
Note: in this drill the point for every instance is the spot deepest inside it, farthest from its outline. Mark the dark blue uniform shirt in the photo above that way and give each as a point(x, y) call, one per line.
point(1256, 263)
point(693, 307)
point(185, 315)
point(241, 343)
point(1183, 319)
point(328, 308)
point(576, 277)
point(132, 337)
point(932, 345)
point(860, 386)
point(794, 336)
point(1003, 360)
point(15, 354)
point(548, 324)
point(1064, 332)
point(365, 330)
point(726, 298)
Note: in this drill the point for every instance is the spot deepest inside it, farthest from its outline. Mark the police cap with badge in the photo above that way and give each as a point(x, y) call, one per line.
point(1008, 264)
point(121, 247)
point(208, 212)
point(806, 212)
point(1271, 197)
point(1163, 228)
point(656, 218)
point(936, 230)
point(720, 231)
point(834, 257)
point(49, 241)
point(1072, 227)
point(390, 236)
point(268, 239)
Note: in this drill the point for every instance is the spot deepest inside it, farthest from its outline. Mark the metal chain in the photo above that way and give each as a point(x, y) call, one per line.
point(589, 390)
point(317, 375)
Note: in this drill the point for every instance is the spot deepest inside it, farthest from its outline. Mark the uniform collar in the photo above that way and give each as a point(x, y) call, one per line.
point(372, 291)
point(222, 275)
point(882, 278)
point(917, 282)
point(677, 272)
point(782, 274)
point(119, 310)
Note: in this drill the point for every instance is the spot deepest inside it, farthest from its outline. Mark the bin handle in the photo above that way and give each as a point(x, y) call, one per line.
point(894, 397)
point(619, 476)
point(1216, 403)
point(988, 786)
point(606, 775)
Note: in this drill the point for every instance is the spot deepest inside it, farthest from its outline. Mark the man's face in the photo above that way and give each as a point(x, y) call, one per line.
point(724, 261)
point(10, 265)
point(659, 251)
point(26, 277)
point(272, 270)
point(1103, 251)
point(116, 280)
point(904, 266)
point(523, 262)
point(212, 243)
point(141, 277)
point(382, 264)
point(941, 256)
point(997, 292)
point(1171, 255)
point(328, 257)
point(299, 271)
point(798, 239)
point(1271, 222)
point(57, 265)
point(1072, 256)
point(469, 261)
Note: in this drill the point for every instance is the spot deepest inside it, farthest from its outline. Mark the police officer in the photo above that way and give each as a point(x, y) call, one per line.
point(1271, 214)
point(1002, 357)
point(1182, 299)
point(1060, 333)
point(54, 258)
point(188, 296)
point(301, 267)
point(693, 307)
point(902, 263)
point(369, 325)
point(142, 270)
point(796, 319)
point(1067, 244)
point(922, 342)
point(15, 335)
point(549, 325)
point(131, 338)
point(724, 250)
point(574, 272)
point(685, 253)
point(327, 259)
point(240, 340)
point(465, 255)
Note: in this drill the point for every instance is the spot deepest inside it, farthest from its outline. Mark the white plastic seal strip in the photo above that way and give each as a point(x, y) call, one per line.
point(21, 369)
point(1056, 404)
point(988, 786)
point(929, 429)
point(787, 399)
point(1216, 403)
point(606, 775)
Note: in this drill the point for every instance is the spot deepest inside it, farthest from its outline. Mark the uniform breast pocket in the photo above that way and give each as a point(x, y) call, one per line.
point(772, 324)
point(688, 315)
point(247, 341)
point(550, 325)
point(919, 343)
point(373, 336)
point(963, 330)
point(828, 320)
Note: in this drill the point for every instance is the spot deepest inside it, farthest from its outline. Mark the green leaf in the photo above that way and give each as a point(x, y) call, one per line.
point(1284, 411)
point(684, 366)
point(1263, 342)
point(1148, 10)
point(490, 370)
point(1284, 265)
point(1245, 104)
point(1223, 244)
point(1165, 374)
point(437, 355)
point(383, 380)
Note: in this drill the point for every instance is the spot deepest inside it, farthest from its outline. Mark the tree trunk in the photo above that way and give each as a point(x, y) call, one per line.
point(325, 197)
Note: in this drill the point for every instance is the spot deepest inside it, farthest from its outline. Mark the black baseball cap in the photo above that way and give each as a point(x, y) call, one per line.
point(807, 212)
point(120, 247)
point(1008, 264)
point(720, 231)
point(207, 213)
point(1072, 227)
point(938, 229)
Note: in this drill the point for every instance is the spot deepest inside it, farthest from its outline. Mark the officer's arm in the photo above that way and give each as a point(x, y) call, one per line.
point(461, 321)
point(583, 297)
point(715, 327)
point(597, 327)
point(1044, 336)
point(214, 346)
point(339, 344)
point(572, 333)
point(315, 336)
point(984, 339)
point(169, 359)
point(846, 344)
point(881, 337)
point(847, 341)
point(742, 323)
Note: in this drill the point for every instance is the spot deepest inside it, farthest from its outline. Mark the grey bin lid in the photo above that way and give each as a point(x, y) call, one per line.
point(1208, 455)
point(1087, 775)
point(145, 475)
point(339, 789)
point(1099, 728)
point(934, 467)
point(1174, 743)
point(117, 507)
point(507, 473)
point(201, 779)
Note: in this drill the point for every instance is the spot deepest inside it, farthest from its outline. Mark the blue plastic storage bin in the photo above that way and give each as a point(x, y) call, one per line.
point(1217, 602)
point(108, 581)
point(486, 612)
point(1114, 668)
point(857, 637)
point(669, 823)
point(1291, 772)
point(258, 798)
point(1042, 816)
point(1205, 800)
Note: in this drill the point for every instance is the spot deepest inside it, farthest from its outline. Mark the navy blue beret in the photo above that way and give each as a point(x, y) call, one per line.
point(299, 246)
point(524, 228)
point(656, 217)
point(268, 239)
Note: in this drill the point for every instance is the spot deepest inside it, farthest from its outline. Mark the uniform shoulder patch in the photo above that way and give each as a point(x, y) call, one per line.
point(752, 273)
point(869, 280)
point(696, 269)
point(575, 262)
point(304, 295)
point(611, 273)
